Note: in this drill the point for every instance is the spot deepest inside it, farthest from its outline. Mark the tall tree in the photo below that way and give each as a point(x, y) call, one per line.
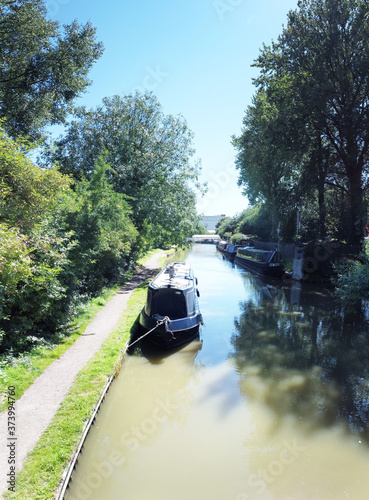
point(324, 52)
point(41, 70)
point(151, 157)
point(268, 165)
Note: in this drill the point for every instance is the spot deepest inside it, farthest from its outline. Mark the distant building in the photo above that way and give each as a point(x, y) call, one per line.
point(210, 221)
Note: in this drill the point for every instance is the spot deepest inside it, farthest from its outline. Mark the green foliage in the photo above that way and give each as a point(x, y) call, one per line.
point(27, 192)
point(102, 230)
point(41, 70)
point(226, 225)
point(32, 251)
point(306, 133)
point(352, 282)
point(151, 157)
point(269, 170)
point(236, 238)
point(15, 262)
point(256, 221)
point(55, 244)
point(30, 289)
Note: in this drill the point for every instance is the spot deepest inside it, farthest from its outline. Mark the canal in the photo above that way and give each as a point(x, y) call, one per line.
point(270, 403)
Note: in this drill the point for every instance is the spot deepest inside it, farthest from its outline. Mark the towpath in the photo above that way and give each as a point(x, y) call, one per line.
point(40, 402)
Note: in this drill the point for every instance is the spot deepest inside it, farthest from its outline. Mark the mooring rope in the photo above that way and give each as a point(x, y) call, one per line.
point(165, 320)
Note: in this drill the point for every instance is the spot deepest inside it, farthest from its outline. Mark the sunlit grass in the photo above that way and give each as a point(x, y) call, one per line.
point(148, 256)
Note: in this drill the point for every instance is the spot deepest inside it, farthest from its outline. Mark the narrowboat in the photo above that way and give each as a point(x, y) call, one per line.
point(264, 262)
point(222, 245)
point(172, 309)
point(231, 251)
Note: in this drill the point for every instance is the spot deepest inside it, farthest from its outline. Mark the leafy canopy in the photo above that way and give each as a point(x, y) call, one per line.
point(308, 128)
point(41, 70)
point(151, 156)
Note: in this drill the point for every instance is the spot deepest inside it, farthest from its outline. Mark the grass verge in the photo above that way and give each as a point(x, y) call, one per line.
point(42, 473)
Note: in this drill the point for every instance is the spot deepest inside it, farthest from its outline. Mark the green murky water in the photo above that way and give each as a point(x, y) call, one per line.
point(270, 403)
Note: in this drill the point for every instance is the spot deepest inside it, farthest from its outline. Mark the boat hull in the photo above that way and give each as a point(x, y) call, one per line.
point(275, 270)
point(230, 255)
point(171, 334)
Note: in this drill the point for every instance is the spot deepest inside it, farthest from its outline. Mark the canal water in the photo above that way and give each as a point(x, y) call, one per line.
point(270, 403)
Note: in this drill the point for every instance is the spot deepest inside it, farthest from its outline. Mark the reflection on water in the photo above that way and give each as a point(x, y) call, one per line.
point(307, 360)
point(271, 402)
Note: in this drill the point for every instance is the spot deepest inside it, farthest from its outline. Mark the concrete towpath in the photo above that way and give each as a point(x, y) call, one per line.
point(40, 402)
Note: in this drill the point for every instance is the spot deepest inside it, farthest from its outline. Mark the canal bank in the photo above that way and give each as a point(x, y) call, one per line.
point(38, 406)
point(270, 402)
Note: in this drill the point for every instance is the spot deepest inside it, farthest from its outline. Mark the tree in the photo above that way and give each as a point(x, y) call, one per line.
point(225, 226)
point(33, 248)
point(56, 245)
point(256, 221)
point(41, 71)
point(27, 193)
point(269, 167)
point(103, 233)
point(324, 54)
point(151, 156)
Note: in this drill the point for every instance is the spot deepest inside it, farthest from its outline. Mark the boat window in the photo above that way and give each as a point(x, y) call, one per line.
point(169, 302)
point(191, 302)
point(275, 257)
point(148, 302)
point(268, 256)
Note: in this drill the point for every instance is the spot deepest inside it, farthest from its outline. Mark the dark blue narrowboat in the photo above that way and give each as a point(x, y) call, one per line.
point(263, 262)
point(172, 309)
point(231, 251)
point(222, 245)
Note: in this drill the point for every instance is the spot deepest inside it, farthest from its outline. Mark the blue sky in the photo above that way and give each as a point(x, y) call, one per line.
point(195, 55)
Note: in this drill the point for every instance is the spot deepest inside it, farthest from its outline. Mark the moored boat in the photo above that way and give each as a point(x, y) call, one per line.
point(231, 251)
point(172, 309)
point(222, 245)
point(264, 262)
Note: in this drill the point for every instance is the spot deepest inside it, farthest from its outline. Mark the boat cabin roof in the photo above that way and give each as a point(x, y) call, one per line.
point(257, 254)
point(176, 275)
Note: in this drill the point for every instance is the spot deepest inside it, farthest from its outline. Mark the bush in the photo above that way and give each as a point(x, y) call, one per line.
point(33, 247)
point(30, 288)
point(352, 282)
point(236, 238)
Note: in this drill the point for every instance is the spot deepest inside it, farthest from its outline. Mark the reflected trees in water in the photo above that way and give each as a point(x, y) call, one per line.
point(304, 358)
